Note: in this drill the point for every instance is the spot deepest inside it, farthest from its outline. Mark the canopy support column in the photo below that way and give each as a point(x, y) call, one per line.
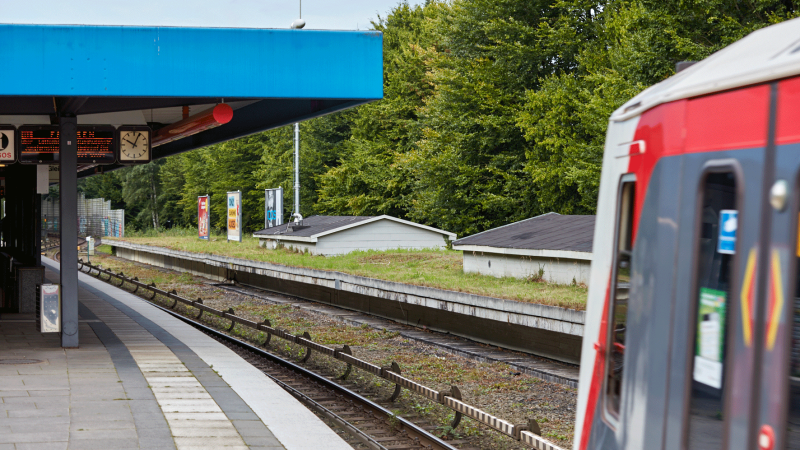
point(68, 195)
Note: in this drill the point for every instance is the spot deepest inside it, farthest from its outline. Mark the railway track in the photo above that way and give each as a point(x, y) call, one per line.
point(366, 423)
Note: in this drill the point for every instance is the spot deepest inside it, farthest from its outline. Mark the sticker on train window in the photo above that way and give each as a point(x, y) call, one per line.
point(728, 223)
point(710, 342)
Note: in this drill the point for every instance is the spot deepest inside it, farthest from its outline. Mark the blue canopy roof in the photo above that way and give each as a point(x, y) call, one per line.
point(285, 75)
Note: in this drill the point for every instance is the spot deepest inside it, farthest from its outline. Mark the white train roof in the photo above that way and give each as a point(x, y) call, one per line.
point(764, 55)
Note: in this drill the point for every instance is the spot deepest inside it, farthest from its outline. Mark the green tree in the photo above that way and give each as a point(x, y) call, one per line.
point(140, 191)
point(369, 177)
point(627, 46)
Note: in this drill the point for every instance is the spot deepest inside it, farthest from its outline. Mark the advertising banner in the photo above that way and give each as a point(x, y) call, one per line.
point(273, 207)
point(710, 342)
point(235, 216)
point(203, 217)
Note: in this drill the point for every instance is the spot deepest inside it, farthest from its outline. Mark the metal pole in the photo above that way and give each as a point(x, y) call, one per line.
point(297, 168)
point(68, 184)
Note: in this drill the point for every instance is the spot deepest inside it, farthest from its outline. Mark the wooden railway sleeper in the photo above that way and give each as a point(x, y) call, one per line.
point(346, 350)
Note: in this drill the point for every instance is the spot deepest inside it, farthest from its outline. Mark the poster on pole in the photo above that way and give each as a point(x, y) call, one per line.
point(273, 207)
point(203, 217)
point(235, 216)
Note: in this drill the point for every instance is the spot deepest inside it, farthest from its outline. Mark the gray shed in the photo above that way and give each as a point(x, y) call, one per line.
point(337, 235)
point(559, 245)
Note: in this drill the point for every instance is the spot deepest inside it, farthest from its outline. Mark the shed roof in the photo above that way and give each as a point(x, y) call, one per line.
point(317, 226)
point(551, 231)
point(764, 55)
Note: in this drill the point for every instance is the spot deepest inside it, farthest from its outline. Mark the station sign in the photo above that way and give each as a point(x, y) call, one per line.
point(8, 142)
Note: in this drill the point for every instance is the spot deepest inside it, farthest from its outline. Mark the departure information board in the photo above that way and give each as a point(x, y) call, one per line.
point(39, 144)
point(96, 145)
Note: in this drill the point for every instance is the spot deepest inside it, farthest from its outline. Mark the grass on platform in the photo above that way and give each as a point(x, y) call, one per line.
point(433, 268)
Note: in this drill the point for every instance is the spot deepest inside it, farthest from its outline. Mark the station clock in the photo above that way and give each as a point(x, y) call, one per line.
point(134, 143)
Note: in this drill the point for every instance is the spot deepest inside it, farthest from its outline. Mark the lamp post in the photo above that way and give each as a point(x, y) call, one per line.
point(297, 24)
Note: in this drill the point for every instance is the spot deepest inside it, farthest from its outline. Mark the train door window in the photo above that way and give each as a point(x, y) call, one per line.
point(715, 252)
point(619, 308)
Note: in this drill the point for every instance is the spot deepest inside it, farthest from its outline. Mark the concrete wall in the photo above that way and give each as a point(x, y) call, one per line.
point(382, 234)
point(556, 270)
point(548, 331)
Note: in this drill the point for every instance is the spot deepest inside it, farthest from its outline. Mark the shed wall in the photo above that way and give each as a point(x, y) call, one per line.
point(379, 235)
point(296, 246)
point(556, 270)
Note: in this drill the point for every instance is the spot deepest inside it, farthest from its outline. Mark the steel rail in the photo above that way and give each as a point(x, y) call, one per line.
point(317, 379)
point(425, 438)
point(525, 433)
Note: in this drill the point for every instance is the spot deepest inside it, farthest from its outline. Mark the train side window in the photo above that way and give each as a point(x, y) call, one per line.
point(619, 308)
point(715, 252)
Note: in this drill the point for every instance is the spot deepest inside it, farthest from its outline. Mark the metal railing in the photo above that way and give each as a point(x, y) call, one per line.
point(526, 433)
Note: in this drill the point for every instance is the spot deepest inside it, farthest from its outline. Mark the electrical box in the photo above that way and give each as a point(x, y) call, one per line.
point(48, 308)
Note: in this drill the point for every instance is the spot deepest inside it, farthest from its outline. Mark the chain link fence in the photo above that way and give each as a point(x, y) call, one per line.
point(95, 217)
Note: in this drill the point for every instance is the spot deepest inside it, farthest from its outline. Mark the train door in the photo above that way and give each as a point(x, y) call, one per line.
point(776, 422)
point(711, 373)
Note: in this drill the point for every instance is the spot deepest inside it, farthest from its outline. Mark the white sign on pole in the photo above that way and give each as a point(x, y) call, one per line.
point(235, 216)
point(273, 207)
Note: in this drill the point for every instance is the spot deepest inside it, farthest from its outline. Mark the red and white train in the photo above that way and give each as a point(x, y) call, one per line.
point(692, 337)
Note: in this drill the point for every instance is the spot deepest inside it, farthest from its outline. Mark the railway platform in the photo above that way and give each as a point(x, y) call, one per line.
point(140, 379)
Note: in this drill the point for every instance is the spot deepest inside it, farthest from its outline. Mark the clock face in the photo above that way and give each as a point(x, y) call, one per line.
point(134, 145)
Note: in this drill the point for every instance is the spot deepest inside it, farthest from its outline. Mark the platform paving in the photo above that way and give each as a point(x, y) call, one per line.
point(140, 379)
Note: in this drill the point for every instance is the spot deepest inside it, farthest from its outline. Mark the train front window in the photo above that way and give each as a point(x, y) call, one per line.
point(619, 309)
point(715, 252)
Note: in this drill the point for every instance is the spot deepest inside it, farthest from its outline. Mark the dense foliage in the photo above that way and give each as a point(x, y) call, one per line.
point(494, 111)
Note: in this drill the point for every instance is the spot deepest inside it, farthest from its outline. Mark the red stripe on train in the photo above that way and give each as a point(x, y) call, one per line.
point(787, 130)
point(725, 121)
point(598, 374)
